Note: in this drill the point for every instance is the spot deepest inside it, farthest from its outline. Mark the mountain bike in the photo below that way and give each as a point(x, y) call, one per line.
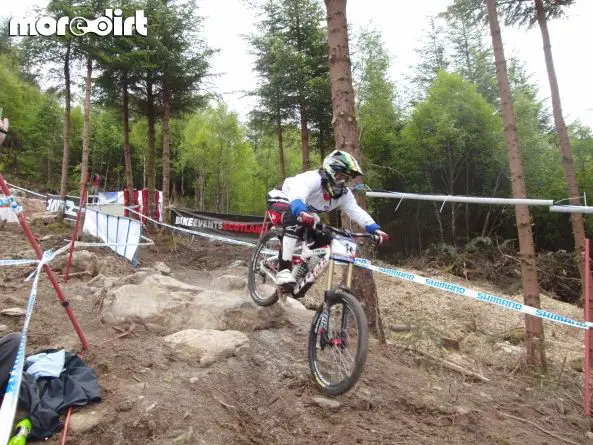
point(339, 322)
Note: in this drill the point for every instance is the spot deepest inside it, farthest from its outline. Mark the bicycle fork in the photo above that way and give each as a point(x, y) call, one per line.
point(330, 297)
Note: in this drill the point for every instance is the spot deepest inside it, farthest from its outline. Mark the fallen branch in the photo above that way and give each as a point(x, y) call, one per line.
point(451, 366)
point(123, 334)
point(78, 274)
point(226, 405)
point(539, 428)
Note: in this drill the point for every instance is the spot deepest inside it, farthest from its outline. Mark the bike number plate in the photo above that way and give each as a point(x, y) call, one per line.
point(343, 248)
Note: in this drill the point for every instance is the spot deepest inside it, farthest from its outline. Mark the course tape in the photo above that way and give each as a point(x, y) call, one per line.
point(25, 190)
point(13, 204)
point(480, 296)
point(17, 262)
point(9, 404)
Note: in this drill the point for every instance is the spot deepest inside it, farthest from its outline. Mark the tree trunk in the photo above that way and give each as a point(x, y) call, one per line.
point(150, 168)
point(453, 227)
point(363, 284)
point(202, 192)
point(576, 219)
point(67, 131)
point(166, 158)
point(304, 134)
point(534, 340)
point(84, 165)
point(127, 153)
point(48, 167)
point(280, 147)
point(437, 213)
point(578, 225)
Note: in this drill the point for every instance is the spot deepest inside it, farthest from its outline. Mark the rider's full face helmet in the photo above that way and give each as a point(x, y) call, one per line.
point(340, 167)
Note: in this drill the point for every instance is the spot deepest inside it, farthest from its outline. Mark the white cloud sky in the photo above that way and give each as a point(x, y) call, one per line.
point(402, 28)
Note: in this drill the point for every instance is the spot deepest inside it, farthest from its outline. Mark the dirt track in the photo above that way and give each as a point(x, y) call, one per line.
point(264, 394)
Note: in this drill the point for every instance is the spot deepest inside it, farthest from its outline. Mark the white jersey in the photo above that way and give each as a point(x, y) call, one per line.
point(307, 188)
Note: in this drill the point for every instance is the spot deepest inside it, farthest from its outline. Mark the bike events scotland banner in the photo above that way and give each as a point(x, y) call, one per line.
point(72, 203)
point(236, 226)
point(123, 234)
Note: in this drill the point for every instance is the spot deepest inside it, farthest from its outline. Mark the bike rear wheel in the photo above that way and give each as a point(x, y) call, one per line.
point(334, 342)
point(263, 266)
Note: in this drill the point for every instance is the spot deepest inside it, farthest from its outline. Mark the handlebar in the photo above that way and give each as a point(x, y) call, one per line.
point(347, 233)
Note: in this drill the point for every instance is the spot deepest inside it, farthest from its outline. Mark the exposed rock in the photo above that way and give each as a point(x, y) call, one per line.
point(84, 421)
point(162, 268)
point(205, 346)
point(13, 312)
point(171, 304)
point(330, 404)
point(82, 261)
point(43, 217)
point(102, 281)
point(450, 343)
point(230, 283)
point(125, 405)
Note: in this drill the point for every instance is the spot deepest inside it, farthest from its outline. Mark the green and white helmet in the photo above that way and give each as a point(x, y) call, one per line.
point(340, 162)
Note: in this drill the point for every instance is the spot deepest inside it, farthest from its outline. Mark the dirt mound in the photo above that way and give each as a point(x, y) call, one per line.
point(261, 391)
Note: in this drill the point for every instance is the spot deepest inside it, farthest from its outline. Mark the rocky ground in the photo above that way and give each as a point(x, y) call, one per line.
point(184, 357)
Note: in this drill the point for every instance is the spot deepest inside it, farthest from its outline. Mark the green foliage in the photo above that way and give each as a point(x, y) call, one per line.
point(214, 149)
point(291, 62)
point(377, 117)
point(452, 145)
point(433, 57)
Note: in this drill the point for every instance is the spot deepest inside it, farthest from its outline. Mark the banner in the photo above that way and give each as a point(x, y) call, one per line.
point(110, 198)
point(123, 234)
point(247, 226)
point(72, 203)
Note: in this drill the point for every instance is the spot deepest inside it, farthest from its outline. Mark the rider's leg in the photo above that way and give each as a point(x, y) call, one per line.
point(291, 234)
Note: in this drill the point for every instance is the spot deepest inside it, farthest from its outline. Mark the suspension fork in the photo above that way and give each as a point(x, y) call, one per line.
point(330, 275)
point(329, 293)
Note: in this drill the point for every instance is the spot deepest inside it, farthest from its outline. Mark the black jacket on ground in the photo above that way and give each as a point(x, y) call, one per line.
point(45, 398)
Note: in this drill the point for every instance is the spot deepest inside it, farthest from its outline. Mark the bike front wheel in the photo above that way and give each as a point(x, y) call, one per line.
point(338, 341)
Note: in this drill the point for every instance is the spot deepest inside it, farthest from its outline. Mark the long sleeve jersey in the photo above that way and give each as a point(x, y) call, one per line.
point(305, 193)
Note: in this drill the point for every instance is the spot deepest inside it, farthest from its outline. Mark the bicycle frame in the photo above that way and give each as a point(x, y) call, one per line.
point(327, 259)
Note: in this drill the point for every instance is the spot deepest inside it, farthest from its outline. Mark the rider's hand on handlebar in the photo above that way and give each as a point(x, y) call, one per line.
point(381, 236)
point(306, 219)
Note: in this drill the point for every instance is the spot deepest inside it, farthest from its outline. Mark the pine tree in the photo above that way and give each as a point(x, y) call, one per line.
point(346, 134)
point(433, 56)
point(534, 329)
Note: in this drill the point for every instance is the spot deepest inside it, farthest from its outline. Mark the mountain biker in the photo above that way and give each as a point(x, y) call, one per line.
point(300, 198)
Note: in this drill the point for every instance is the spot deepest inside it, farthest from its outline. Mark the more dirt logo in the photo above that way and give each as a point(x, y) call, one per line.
point(111, 23)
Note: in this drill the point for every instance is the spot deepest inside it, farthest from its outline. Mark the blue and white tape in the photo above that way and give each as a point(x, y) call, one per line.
point(17, 262)
point(13, 204)
point(480, 296)
point(11, 396)
point(28, 191)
